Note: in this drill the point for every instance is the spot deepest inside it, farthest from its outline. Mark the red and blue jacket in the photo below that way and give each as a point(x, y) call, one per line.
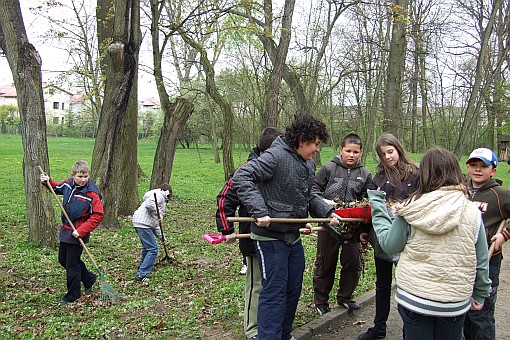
point(83, 206)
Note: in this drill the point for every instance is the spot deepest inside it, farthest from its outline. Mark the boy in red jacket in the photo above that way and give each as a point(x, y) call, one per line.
point(82, 202)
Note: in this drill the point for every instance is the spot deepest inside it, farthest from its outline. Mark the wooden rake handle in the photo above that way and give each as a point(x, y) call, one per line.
point(500, 229)
point(295, 220)
point(69, 220)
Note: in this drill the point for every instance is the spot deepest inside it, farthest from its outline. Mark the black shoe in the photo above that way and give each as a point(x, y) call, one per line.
point(350, 305)
point(64, 302)
point(372, 333)
point(142, 279)
point(322, 310)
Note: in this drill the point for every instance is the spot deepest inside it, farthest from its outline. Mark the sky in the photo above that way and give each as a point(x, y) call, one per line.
point(55, 61)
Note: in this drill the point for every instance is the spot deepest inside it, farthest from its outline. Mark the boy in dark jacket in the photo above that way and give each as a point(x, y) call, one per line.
point(228, 203)
point(82, 202)
point(344, 178)
point(278, 184)
point(494, 202)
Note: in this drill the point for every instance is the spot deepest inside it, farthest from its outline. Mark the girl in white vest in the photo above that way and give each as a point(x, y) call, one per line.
point(443, 266)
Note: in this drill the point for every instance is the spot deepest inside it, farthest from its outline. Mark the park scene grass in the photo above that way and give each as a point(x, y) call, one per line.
point(198, 295)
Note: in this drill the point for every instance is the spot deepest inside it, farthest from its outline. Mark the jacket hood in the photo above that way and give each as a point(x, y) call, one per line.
point(489, 184)
point(439, 211)
point(338, 160)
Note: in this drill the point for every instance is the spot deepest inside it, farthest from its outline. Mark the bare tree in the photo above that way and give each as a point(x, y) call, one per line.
point(116, 142)
point(396, 63)
point(25, 64)
point(175, 114)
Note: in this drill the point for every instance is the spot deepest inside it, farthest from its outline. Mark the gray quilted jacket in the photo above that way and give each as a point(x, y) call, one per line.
point(278, 184)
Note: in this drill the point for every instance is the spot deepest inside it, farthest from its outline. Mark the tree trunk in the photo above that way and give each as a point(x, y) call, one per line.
point(396, 59)
point(116, 143)
point(176, 115)
point(273, 93)
point(226, 108)
point(25, 65)
point(477, 91)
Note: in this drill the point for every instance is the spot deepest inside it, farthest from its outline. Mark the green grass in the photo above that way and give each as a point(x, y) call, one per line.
point(198, 296)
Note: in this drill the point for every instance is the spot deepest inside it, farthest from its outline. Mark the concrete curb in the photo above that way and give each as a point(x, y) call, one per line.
point(323, 323)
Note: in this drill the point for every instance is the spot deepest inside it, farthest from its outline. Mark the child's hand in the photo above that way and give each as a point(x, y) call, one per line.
point(335, 220)
point(44, 178)
point(475, 305)
point(263, 221)
point(363, 237)
point(308, 229)
point(498, 241)
point(230, 238)
point(75, 234)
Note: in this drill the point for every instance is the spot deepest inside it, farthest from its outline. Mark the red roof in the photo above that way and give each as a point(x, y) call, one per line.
point(8, 91)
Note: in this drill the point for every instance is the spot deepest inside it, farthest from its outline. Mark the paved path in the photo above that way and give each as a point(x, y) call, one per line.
point(340, 325)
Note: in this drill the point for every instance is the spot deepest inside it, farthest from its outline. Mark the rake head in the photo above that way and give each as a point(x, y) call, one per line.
point(108, 294)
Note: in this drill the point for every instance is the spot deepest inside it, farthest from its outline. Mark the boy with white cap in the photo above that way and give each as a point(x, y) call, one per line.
point(494, 202)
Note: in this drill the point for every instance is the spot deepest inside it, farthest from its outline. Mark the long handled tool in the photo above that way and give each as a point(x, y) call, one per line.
point(500, 228)
point(108, 294)
point(295, 220)
point(218, 238)
point(166, 258)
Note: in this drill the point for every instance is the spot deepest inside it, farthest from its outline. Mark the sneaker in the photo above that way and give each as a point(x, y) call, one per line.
point(64, 302)
point(350, 305)
point(372, 333)
point(322, 310)
point(243, 270)
point(142, 279)
point(89, 289)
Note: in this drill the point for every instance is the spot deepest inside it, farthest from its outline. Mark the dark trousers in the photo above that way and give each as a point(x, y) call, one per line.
point(480, 324)
point(384, 276)
point(425, 327)
point(69, 256)
point(281, 269)
point(326, 262)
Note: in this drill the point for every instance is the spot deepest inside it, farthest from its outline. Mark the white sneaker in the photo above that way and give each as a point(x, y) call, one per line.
point(243, 270)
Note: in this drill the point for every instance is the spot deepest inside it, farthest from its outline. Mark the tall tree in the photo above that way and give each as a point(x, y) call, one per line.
point(25, 64)
point(396, 62)
point(115, 149)
point(176, 114)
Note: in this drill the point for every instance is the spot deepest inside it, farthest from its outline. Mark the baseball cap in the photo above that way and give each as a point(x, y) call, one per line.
point(486, 155)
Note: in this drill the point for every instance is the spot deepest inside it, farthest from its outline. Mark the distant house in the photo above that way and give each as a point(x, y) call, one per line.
point(8, 95)
point(58, 102)
point(150, 103)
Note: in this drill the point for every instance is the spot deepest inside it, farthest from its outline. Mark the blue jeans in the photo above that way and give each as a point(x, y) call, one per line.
point(480, 324)
point(281, 268)
point(149, 251)
point(426, 327)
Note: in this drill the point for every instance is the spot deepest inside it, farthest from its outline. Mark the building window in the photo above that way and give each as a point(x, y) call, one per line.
point(62, 106)
point(55, 105)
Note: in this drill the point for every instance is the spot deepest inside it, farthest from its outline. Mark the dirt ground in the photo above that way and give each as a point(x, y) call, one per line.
point(350, 326)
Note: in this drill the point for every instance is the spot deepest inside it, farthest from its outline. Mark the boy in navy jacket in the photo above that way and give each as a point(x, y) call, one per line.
point(82, 202)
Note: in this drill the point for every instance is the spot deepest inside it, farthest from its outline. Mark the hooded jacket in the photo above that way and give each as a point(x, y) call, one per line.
point(278, 184)
point(443, 260)
point(147, 215)
point(335, 180)
point(493, 200)
point(83, 206)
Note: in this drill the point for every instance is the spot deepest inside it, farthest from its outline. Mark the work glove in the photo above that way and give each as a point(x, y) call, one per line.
point(75, 234)
point(45, 178)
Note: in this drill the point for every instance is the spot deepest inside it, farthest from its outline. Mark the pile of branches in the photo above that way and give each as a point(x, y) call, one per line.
point(348, 231)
